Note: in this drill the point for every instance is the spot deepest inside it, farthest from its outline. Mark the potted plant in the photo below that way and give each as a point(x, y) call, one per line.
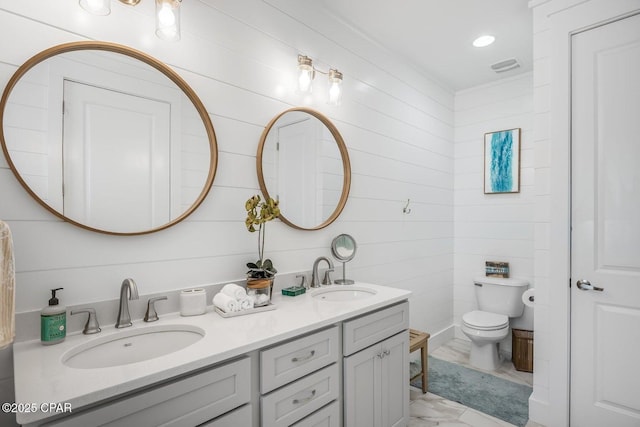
point(259, 212)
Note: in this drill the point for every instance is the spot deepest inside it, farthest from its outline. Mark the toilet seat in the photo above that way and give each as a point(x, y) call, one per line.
point(485, 321)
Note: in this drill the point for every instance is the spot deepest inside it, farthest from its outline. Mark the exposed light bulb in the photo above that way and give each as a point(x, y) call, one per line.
point(304, 81)
point(335, 94)
point(166, 16)
point(168, 19)
point(96, 7)
point(305, 78)
point(483, 41)
point(335, 87)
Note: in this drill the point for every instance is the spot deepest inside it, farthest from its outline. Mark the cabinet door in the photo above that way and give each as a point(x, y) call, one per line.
point(362, 388)
point(394, 380)
point(376, 384)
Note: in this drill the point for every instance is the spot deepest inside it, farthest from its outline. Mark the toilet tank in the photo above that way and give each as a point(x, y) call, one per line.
point(500, 295)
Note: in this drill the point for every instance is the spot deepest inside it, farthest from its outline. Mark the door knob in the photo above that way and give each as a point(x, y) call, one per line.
point(585, 285)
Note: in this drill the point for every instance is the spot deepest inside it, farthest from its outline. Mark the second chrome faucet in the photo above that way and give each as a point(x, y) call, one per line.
point(315, 279)
point(128, 291)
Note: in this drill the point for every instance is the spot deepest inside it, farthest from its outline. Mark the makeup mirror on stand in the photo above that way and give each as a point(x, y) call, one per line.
point(343, 249)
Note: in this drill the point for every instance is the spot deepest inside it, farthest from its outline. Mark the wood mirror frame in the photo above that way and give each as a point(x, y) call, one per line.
point(346, 166)
point(155, 64)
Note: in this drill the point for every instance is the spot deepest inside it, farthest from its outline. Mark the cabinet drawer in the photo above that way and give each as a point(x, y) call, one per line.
point(329, 416)
point(237, 417)
point(369, 329)
point(295, 401)
point(287, 362)
point(185, 401)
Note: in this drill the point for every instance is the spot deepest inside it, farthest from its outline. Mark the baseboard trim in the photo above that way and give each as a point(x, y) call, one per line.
point(538, 410)
point(439, 338)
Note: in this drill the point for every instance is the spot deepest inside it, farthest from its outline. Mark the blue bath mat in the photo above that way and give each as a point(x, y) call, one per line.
point(483, 392)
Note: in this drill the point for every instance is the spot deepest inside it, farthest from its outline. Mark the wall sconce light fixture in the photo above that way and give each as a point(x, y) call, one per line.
point(167, 15)
point(306, 74)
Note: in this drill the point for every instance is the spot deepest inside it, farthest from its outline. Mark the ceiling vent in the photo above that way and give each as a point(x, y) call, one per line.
point(506, 65)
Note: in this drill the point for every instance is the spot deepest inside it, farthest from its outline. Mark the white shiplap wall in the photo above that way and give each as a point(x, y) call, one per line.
point(239, 57)
point(491, 227)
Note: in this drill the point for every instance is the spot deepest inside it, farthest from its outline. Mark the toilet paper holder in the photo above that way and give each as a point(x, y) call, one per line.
point(528, 297)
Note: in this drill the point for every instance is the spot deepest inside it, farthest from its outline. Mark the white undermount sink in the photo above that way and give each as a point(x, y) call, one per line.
point(343, 293)
point(132, 345)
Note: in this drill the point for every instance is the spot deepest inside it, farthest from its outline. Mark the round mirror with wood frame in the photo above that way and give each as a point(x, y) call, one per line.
point(302, 162)
point(108, 138)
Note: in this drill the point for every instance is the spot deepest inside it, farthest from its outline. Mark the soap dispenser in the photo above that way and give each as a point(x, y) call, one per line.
point(53, 321)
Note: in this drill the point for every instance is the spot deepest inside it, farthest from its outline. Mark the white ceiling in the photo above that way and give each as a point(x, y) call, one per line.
point(436, 35)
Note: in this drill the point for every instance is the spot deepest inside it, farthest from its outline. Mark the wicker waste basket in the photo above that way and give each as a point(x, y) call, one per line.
point(522, 349)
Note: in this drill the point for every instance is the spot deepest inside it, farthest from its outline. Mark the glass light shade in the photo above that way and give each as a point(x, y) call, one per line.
point(306, 74)
point(96, 7)
point(168, 19)
point(335, 87)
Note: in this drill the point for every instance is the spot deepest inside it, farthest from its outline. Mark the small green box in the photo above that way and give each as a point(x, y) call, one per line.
point(294, 291)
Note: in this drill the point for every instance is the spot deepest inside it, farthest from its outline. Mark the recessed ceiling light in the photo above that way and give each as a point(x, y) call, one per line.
point(483, 41)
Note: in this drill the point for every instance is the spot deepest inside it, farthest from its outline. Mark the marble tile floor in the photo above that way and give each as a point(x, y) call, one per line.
point(429, 410)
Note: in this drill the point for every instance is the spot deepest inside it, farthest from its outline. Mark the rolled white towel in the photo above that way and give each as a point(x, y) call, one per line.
point(225, 303)
point(246, 303)
point(234, 291)
point(261, 299)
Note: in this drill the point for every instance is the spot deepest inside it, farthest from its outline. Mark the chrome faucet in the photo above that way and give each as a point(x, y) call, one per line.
point(130, 290)
point(315, 281)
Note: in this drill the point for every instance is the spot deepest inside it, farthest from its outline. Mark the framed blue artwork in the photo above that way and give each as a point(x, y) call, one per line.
point(502, 161)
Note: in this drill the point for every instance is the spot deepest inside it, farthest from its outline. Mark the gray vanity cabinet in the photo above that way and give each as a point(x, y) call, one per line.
point(353, 373)
point(215, 396)
point(376, 368)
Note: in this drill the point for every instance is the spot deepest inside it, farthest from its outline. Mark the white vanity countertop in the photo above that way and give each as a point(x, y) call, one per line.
point(42, 378)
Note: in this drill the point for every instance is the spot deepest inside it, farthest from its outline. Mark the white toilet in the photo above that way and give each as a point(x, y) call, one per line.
point(498, 300)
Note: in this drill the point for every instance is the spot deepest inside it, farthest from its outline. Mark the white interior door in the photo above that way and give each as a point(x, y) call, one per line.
point(116, 160)
point(605, 246)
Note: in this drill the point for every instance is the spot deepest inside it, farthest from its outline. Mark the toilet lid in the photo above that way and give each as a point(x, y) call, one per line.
point(485, 321)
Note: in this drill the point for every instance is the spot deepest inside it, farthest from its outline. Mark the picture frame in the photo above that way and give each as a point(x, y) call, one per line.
point(497, 269)
point(502, 161)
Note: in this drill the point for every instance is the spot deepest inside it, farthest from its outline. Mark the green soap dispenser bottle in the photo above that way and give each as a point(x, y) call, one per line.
point(53, 321)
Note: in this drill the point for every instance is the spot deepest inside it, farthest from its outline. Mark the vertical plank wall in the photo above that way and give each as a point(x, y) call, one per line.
point(240, 57)
point(491, 227)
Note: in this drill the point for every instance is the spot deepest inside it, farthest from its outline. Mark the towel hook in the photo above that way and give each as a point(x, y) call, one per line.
point(407, 210)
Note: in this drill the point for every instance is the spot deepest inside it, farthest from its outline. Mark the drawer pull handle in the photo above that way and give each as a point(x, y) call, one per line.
point(306, 399)
point(302, 359)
